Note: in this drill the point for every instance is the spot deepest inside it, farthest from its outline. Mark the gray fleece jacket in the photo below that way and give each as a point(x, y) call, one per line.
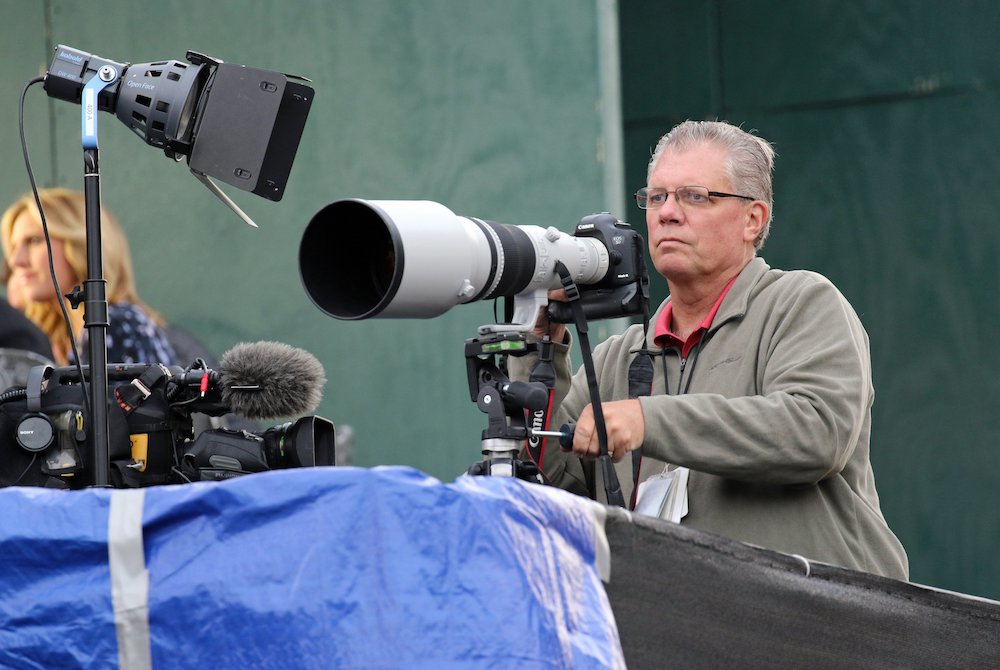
point(774, 421)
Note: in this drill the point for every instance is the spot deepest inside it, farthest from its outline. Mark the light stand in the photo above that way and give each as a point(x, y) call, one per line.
point(95, 311)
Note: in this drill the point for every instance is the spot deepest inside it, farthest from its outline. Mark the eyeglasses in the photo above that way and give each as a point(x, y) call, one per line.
point(687, 196)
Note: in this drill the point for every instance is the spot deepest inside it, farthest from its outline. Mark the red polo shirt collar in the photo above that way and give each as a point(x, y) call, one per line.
point(663, 337)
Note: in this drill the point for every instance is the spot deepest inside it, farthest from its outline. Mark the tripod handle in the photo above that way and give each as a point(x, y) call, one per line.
point(564, 434)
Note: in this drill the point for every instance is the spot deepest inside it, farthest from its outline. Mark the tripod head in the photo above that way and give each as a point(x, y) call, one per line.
point(504, 402)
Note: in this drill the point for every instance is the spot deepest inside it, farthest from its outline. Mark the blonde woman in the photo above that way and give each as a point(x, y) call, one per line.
point(136, 333)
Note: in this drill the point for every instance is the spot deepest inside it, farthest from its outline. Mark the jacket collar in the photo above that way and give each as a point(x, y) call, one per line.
point(736, 303)
point(738, 299)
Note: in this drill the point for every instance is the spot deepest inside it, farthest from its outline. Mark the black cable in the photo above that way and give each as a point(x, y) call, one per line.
point(48, 244)
point(13, 394)
point(34, 457)
point(177, 471)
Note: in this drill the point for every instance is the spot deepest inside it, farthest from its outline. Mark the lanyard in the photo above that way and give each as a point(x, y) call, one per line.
point(640, 383)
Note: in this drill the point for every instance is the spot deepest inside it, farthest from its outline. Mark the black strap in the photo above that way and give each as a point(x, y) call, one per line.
point(36, 376)
point(130, 396)
point(544, 372)
point(640, 384)
point(612, 488)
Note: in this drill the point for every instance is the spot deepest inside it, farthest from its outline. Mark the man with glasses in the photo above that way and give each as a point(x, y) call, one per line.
point(756, 425)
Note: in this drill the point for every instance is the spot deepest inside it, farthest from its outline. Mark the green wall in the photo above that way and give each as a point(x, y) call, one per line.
point(884, 116)
point(507, 111)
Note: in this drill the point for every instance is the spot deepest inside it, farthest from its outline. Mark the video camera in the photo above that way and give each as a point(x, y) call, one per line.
point(45, 438)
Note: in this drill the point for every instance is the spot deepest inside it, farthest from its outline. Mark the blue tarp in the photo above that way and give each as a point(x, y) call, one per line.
point(312, 568)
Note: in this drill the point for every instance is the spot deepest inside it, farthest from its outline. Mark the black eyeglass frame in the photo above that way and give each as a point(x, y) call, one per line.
point(642, 195)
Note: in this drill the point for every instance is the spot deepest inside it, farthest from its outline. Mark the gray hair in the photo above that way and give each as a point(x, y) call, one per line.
point(750, 163)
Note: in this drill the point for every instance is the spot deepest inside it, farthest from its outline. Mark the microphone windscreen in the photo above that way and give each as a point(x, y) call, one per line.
point(288, 380)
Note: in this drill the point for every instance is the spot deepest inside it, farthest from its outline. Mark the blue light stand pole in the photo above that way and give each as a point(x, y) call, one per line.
point(95, 311)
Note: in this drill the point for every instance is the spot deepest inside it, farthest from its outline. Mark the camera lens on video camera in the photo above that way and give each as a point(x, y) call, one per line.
point(305, 443)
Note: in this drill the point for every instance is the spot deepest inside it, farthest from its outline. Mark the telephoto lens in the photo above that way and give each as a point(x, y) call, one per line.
point(362, 259)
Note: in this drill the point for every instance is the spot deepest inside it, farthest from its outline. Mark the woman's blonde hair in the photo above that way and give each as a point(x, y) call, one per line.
point(66, 216)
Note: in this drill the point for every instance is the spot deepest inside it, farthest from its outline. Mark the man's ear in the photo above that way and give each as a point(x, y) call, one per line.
point(757, 215)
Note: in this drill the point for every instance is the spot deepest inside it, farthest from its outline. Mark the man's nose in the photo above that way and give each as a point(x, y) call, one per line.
point(669, 210)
